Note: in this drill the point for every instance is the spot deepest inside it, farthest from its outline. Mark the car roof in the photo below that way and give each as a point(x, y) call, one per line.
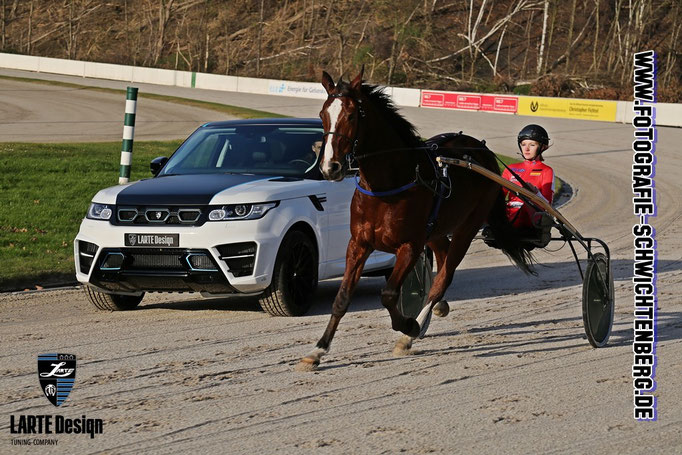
point(265, 121)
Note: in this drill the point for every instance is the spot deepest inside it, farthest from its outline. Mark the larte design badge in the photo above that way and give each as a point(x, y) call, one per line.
point(239, 208)
point(57, 374)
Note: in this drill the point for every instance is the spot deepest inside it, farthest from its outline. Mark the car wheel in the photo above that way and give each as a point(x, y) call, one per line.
point(112, 302)
point(294, 279)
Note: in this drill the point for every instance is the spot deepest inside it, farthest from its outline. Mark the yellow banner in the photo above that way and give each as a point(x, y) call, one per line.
point(568, 108)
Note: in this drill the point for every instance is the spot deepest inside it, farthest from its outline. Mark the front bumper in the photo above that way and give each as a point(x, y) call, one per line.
point(201, 261)
point(158, 269)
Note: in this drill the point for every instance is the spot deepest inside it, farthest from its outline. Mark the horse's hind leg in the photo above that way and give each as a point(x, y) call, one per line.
point(440, 247)
point(356, 255)
point(455, 253)
point(458, 247)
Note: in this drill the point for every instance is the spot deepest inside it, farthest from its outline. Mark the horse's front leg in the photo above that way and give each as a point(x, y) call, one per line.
point(356, 255)
point(406, 257)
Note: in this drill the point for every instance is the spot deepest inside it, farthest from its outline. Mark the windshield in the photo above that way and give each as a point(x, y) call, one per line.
point(286, 150)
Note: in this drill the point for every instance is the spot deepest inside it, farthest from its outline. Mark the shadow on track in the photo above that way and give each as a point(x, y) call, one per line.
point(489, 282)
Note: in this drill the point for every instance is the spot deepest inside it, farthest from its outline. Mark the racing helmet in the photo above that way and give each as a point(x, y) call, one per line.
point(534, 133)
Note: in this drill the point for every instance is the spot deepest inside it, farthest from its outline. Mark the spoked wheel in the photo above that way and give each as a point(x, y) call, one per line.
point(598, 300)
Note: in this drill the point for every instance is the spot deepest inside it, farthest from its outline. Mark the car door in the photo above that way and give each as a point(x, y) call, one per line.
point(339, 195)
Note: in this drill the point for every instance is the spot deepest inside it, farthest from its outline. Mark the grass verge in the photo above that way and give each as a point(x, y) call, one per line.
point(45, 190)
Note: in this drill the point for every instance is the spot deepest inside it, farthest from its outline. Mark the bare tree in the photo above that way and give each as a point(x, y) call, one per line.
point(541, 52)
point(570, 35)
point(420, 43)
point(260, 38)
point(4, 24)
point(30, 28)
point(165, 11)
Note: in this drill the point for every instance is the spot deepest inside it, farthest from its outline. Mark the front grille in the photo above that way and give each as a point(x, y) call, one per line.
point(239, 257)
point(147, 261)
point(156, 260)
point(159, 269)
point(86, 253)
point(142, 215)
point(157, 215)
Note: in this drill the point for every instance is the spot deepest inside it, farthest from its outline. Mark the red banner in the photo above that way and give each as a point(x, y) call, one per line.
point(497, 103)
point(469, 101)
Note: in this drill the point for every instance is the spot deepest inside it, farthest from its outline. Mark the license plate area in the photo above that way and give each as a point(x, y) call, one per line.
point(153, 240)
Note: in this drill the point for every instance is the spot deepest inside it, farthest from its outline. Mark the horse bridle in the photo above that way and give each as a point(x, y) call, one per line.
point(350, 157)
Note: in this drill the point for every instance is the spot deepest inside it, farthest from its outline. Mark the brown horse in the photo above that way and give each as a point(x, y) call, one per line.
point(391, 209)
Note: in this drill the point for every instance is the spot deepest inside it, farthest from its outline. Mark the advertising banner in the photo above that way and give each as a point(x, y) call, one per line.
point(469, 101)
point(497, 103)
point(568, 108)
point(299, 89)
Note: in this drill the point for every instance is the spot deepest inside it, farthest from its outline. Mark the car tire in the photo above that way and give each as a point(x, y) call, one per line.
point(112, 302)
point(294, 279)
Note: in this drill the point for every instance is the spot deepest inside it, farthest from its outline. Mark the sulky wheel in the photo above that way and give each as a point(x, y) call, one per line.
point(416, 287)
point(598, 300)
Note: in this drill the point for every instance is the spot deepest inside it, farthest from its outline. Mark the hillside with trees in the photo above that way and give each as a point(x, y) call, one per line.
point(574, 48)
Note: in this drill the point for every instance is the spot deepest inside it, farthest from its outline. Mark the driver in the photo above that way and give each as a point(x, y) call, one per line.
point(316, 147)
point(532, 141)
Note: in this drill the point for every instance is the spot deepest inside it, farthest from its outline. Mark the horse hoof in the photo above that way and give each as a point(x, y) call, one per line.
point(441, 309)
point(402, 346)
point(307, 364)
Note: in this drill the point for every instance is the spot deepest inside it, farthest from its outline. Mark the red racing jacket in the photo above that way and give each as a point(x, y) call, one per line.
point(536, 173)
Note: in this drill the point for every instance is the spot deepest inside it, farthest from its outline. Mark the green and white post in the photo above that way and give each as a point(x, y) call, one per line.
point(128, 133)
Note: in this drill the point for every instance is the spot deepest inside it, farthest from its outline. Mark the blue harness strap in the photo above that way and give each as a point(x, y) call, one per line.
point(442, 183)
point(383, 193)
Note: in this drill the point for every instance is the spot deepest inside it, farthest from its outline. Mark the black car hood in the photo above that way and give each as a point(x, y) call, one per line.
point(196, 189)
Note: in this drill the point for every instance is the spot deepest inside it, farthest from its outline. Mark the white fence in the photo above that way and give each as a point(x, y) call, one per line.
point(667, 114)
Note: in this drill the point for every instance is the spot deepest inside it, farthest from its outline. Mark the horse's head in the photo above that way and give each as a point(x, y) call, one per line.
point(340, 115)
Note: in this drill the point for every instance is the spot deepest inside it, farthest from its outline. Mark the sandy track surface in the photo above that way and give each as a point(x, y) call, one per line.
point(508, 371)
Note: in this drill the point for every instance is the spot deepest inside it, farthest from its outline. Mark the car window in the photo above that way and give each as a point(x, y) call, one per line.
point(287, 150)
point(202, 156)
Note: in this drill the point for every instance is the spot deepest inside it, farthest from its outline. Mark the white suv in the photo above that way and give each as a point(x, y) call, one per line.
point(240, 207)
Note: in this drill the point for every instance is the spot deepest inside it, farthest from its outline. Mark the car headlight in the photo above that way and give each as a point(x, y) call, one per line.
point(100, 211)
point(241, 211)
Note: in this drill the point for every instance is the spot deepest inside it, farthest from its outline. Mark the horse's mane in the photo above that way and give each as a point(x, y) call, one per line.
point(405, 130)
point(380, 100)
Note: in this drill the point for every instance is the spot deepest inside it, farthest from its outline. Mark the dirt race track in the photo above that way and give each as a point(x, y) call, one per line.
point(508, 371)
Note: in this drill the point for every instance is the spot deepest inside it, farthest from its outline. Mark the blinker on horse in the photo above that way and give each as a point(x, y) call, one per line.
point(399, 206)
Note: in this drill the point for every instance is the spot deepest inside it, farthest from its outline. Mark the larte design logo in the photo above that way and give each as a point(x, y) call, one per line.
point(57, 374)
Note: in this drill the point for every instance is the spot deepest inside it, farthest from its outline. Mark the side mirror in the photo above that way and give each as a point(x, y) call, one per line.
point(156, 164)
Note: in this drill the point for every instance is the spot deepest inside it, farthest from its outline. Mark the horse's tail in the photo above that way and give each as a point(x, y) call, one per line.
point(507, 238)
